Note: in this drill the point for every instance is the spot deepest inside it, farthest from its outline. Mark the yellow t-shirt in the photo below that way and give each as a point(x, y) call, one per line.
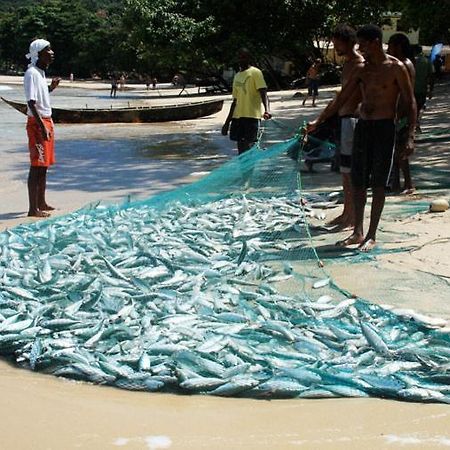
point(246, 85)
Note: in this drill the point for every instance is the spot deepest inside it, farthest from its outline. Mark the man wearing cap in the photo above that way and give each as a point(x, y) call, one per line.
point(39, 125)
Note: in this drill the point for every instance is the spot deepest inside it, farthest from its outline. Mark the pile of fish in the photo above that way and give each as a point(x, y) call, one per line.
point(208, 298)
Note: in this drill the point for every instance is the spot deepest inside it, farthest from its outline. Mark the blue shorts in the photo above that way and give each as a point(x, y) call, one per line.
point(313, 87)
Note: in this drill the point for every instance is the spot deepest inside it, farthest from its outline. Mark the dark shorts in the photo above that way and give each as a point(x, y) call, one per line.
point(313, 87)
point(421, 99)
point(373, 153)
point(244, 129)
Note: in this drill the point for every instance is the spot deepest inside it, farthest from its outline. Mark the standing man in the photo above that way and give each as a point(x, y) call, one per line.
point(312, 77)
point(249, 92)
point(400, 48)
point(40, 128)
point(113, 92)
point(344, 41)
point(381, 80)
point(424, 84)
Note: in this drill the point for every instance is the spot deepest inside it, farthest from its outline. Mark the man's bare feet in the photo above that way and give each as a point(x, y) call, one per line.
point(368, 245)
point(342, 222)
point(336, 221)
point(38, 213)
point(46, 208)
point(351, 240)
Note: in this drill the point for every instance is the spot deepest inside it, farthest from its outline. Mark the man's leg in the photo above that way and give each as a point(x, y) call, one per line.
point(42, 185)
point(383, 137)
point(347, 129)
point(348, 219)
point(378, 199)
point(33, 193)
point(394, 183)
point(404, 166)
point(357, 237)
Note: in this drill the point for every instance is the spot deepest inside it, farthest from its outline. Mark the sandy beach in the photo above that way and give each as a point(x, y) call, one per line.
point(108, 163)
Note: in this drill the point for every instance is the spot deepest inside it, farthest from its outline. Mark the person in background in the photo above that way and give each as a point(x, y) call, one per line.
point(249, 95)
point(423, 87)
point(40, 130)
point(312, 77)
point(113, 92)
point(400, 48)
point(438, 63)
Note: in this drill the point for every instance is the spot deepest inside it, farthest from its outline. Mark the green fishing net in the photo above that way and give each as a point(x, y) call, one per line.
point(213, 288)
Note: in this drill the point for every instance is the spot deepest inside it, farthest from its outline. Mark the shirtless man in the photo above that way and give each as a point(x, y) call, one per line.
point(344, 40)
point(400, 48)
point(381, 79)
point(313, 81)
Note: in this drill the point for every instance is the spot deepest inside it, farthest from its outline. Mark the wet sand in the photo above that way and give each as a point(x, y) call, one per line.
point(110, 162)
point(42, 412)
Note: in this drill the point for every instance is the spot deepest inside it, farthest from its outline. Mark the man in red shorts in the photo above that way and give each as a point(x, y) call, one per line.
point(39, 125)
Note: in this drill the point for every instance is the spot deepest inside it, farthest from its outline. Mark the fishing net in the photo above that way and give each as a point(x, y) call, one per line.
point(212, 288)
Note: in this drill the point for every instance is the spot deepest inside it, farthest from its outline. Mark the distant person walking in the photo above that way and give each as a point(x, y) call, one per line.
point(122, 82)
point(312, 78)
point(113, 92)
point(249, 94)
point(40, 128)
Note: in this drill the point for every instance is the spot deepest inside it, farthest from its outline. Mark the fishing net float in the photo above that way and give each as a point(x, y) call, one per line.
point(213, 288)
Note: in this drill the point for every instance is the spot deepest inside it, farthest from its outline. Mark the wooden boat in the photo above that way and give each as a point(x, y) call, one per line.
point(138, 114)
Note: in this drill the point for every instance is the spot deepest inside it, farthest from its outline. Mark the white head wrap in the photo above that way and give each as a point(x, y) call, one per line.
point(35, 47)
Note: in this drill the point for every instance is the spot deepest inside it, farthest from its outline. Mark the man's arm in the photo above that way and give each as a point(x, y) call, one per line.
point(340, 100)
point(265, 101)
point(45, 132)
point(54, 84)
point(226, 125)
point(407, 93)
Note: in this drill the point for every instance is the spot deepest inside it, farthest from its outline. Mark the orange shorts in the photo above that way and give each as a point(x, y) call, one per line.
point(42, 152)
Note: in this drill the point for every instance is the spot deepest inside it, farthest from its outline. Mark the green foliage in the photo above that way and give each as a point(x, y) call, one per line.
point(432, 17)
point(80, 36)
point(196, 36)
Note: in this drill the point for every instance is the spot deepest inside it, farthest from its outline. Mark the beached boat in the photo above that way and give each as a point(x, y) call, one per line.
point(136, 114)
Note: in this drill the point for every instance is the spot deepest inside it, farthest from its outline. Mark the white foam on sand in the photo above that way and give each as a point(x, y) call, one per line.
point(414, 440)
point(158, 442)
point(152, 442)
point(5, 88)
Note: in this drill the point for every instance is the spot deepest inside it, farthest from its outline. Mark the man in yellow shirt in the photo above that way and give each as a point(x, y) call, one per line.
point(249, 92)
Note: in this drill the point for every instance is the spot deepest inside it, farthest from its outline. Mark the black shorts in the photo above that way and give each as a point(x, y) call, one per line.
point(373, 153)
point(244, 129)
point(313, 87)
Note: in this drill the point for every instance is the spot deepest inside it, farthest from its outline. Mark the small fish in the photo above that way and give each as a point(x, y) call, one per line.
point(321, 283)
